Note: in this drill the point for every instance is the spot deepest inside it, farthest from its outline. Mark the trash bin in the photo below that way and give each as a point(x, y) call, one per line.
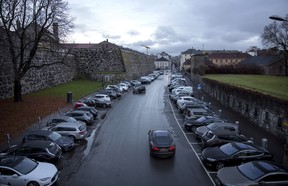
point(69, 97)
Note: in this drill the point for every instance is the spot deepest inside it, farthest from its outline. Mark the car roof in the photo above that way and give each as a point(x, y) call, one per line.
point(68, 124)
point(270, 167)
point(40, 132)
point(10, 161)
point(159, 133)
point(37, 143)
point(243, 146)
point(62, 117)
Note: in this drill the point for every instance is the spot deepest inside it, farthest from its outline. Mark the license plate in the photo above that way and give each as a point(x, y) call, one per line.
point(163, 150)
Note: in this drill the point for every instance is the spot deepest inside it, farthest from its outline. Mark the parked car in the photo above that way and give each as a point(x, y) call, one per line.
point(123, 87)
point(192, 124)
point(195, 113)
point(145, 80)
point(135, 82)
point(109, 92)
point(90, 109)
point(39, 150)
point(185, 99)
point(161, 143)
point(139, 89)
point(253, 173)
point(221, 137)
point(20, 170)
point(64, 142)
point(184, 109)
point(60, 119)
point(102, 103)
point(75, 131)
point(81, 115)
point(220, 127)
point(232, 154)
point(103, 97)
point(79, 104)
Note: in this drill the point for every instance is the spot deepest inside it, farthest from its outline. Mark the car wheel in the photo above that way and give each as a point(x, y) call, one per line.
point(33, 183)
point(219, 165)
point(104, 106)
point(72, 137)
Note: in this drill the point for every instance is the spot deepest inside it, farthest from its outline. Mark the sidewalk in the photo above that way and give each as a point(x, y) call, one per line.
point(248, 128)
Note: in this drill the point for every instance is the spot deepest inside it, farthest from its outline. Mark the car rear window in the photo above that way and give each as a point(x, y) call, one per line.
point(162, 140)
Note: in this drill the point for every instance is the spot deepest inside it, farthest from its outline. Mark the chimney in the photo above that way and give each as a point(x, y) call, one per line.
point(55, 31)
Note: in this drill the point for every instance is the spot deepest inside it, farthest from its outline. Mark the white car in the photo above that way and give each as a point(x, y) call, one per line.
point(123, 87)
point(103, 97)
point(185, 99)
point(20, 170)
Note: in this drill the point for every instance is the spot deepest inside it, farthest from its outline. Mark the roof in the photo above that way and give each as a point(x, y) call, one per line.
point(162, 59)
point(235, 55)
point(261, 60)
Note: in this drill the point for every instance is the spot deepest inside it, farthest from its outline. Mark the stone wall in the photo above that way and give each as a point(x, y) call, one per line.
point(263, 110)
point(101, 64)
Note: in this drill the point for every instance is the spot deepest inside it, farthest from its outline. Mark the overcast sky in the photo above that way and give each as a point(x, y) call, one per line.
point(174, 26)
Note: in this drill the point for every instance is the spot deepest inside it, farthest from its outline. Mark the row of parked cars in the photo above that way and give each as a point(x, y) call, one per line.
point(33, 161)
point(237, 160)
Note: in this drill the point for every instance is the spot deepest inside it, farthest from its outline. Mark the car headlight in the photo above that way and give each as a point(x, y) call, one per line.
point(45, 179)
point(211, 159)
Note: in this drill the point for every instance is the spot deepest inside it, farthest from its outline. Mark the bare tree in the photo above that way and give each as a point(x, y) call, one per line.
point(276, 35)
point(27, 26)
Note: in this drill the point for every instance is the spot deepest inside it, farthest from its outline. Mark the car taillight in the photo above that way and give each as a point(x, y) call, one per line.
point(155, 148)
point(81, 132)
point(172, 148)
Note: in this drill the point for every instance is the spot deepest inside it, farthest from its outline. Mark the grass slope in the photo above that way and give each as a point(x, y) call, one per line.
point(276, 86)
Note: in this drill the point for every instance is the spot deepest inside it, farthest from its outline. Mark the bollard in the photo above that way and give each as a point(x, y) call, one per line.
point(264, 143)
point(69, 97)
point(8, 140)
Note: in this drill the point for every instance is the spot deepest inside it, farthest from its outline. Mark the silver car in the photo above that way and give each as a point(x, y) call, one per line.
point(74, 130)
point(60, 119)
point(80, 115)
point(231, 128)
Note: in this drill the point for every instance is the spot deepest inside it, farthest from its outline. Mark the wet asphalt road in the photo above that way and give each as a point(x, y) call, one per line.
point(118, 151)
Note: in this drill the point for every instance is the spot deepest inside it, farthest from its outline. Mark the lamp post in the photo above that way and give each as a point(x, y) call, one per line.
point(279, 18)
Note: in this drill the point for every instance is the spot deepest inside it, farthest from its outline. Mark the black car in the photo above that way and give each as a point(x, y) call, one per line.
point(139, 89)
point(90, 109)
point(161, 143)
point(216, 138)
point(39, 150)
point(192, 124)
point(233, 154)
point(64, 142)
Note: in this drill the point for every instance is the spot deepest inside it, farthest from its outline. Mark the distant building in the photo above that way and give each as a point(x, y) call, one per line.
point(162, 63)
point(252, 50)
point(191, 52)
point(271, 64)
point(222, 59)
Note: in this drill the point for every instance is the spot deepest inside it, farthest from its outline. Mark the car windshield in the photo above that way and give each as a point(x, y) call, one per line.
point(228, 149)
point(212, 126)
point(70, 119)
point(24, 165)
point(203, 118)
point(55, 136)
point(252, 171)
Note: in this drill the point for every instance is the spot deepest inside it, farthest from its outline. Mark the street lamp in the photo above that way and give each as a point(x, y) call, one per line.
point(277, 18)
